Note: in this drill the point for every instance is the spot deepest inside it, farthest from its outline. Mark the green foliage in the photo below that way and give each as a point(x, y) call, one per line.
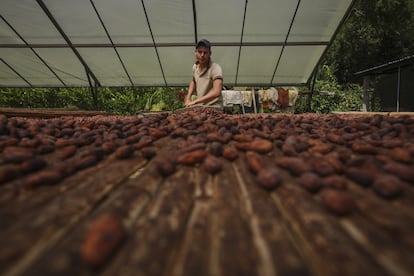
point(341, 97)
point(120, 100)
point(123, 100)
point(128, 100)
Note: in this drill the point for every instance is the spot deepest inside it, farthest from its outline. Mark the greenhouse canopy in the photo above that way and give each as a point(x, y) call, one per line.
point(61, 43)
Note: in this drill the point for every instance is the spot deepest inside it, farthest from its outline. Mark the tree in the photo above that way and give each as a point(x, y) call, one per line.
point(376, 31)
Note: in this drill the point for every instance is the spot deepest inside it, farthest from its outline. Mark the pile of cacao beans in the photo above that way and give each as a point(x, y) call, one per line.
point(323, 153)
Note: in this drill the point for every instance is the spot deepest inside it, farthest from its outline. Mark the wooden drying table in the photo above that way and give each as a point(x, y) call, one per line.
point(195, 223)
point(48, 112)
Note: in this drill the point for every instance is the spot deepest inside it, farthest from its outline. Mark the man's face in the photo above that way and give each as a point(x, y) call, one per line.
point(202, 54)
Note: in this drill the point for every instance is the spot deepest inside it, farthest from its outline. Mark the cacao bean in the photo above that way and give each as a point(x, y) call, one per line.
point(321, 166)
point(388, 186)
point(16, 155)
point(310, 181)
point(364, 148)
point(359, 176)
point(8, 173)
point(145, 141)
point(86, 162)
point(402, 171)
point(216, 148)
point(261, 146)
point(124, 152)
point(148, 152)
point(212, 164)
point(191, 158)
point(294, 165)
point(68, 151)
point(230, 153)
point(243, 137)
point(108, 147)
point(102, 238)
point(255, 162)
point(400, 155)
point(336, 201)
point(44, 149)
point(321, 148)
point(269, 178)
point(335, 182)
point(47, 177)
point(32, 165)
point(166, 167)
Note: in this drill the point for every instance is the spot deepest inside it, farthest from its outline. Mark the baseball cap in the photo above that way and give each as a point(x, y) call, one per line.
point(203, 43)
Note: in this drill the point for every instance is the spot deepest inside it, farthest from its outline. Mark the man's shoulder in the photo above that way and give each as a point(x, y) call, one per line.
point(215, 67)
point(215, 64)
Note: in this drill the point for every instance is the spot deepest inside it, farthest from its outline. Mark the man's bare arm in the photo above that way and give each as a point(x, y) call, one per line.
point(191, 88)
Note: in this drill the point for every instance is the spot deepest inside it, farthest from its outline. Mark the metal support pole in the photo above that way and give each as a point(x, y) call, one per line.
point(398, 88)
point(365, 102)
point(309, 99)
point(93, 89)
point(241, 95)
point(95, 96)
point(254, 100)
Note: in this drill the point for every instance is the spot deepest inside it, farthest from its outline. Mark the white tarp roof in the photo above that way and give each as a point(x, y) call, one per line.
point(58, 43)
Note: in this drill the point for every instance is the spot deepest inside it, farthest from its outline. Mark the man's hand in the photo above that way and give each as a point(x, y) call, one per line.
point(189, 103)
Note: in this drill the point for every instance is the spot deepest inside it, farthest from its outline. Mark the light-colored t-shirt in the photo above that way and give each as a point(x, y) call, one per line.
point(204, 82)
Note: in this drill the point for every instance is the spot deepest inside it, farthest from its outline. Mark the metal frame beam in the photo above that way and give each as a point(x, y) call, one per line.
point(32, 49)
point(154, 44)
point(112, 43)
point(241, 41)
point(161, 45)
point(68, 41)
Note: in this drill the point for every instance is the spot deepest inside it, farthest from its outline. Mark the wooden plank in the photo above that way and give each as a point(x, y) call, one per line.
point(402, 113)
point(374, 225)
point(217, 239)
point(48, 112)
point(158, 231)
point(127, 200)
point(405, 203)
point(197, 253)
point(394, 221)
point(396, 259)
point(283, 253)
point(39, 229)
point(232, 235)
point(322, 240)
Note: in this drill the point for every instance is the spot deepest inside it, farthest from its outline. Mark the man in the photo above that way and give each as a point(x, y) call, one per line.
point(207, 81)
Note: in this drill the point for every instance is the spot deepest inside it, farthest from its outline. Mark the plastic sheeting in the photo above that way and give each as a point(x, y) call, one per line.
point(62, 43)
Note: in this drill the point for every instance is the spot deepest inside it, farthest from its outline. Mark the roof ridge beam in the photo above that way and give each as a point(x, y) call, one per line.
point(161, 45)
